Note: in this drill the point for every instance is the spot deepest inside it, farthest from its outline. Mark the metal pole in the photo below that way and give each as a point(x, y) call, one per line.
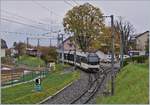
point(112, 58)
point(50, 42)
point(62, 47)
point(121, 50)
point(27, 42)
point(38, 42)
point(75, 54)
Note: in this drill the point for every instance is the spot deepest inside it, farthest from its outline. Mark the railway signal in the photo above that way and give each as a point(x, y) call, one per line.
point(38, 84)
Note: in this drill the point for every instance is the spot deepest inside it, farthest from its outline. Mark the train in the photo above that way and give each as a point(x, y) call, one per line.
point(87, 61)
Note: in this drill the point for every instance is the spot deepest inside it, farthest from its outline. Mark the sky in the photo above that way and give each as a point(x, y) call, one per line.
point(46, 15)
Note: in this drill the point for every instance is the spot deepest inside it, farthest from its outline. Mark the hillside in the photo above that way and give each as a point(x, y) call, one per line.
point(131, 86)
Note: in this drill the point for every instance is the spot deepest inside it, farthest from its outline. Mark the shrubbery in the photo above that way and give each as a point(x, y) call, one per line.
point(7, 60)
point(135, 59)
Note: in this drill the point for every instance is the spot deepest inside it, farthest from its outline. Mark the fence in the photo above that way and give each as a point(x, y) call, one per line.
point(18, 75)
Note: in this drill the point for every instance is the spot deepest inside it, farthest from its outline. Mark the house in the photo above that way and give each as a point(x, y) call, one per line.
point(68, 45)
point(33, 52)
point(14, 51)
point(140, 40)
point(3, 48)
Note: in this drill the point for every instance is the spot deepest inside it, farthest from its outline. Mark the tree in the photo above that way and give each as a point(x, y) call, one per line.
point(20, 47)
point(14, 44)
point(103, 42)
point(3, 44)
point(125, 29)
point(85, 22)
point(48, 54)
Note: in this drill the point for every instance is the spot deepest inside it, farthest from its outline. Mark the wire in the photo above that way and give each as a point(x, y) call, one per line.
point(16, 32)
point(68, 3)
point(16, 15)
point(13, 21)
point(75, 2)
point(44, 7)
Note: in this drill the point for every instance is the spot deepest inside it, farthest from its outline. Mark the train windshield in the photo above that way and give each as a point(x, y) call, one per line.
point(93, 59)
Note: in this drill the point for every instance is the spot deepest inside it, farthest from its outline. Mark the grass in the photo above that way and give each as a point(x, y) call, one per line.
point(30, 61)
point(132, 86)
point(25, 93)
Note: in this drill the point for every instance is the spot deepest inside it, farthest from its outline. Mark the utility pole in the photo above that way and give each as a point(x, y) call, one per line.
point(112, 56)
point(38, 44)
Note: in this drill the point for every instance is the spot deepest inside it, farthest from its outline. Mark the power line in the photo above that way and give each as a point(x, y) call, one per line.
point(27, 33)
point(68, 3)
point(13, 21)
point(44, 7)
point(16, 32)
point(16, 15)
point(75, 2)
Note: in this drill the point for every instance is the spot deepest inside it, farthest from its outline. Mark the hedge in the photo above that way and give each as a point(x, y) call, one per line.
point(137, 59)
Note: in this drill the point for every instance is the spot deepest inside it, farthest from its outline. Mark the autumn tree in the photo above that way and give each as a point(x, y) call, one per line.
point(48, 53)
point(21, 47)
point(85, 22)
point(103, 42)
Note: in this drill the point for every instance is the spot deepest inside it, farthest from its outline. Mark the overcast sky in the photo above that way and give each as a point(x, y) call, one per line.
point(37, 12)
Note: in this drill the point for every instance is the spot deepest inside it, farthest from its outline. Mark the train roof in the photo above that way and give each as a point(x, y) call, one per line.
point(79, 53)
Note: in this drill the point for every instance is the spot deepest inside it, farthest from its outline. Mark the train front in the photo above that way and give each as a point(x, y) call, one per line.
point(93, 62)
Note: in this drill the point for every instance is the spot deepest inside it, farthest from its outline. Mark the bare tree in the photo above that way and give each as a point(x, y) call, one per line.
point(125, 29)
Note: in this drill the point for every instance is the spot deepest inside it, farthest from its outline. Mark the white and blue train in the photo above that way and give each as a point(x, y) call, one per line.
point(84, 60)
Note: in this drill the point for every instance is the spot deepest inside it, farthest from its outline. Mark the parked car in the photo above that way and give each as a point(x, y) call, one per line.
point(124, 56)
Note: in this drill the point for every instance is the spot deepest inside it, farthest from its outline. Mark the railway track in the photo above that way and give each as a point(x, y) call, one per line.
point(83, 90)
point(93, 87)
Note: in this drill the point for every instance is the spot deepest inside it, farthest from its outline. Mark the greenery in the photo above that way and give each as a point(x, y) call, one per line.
point(85, 22)
point(7, 60)
point(131, 86)
point(49, 54)
point(20, 47)
point(30, 61)
point(137, 59)
point(25, 93)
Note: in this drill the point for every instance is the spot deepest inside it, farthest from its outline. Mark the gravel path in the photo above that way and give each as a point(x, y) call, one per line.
point(68, 94)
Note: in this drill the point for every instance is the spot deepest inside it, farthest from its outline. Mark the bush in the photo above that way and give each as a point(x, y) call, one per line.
point(31, 61)
point(7, 60)
point(135, 59)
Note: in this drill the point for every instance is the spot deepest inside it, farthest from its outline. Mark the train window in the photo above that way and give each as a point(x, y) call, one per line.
point(65, 56)
point(84, 60)
point(78, 59)
point(71, 57)
point(93, 59)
